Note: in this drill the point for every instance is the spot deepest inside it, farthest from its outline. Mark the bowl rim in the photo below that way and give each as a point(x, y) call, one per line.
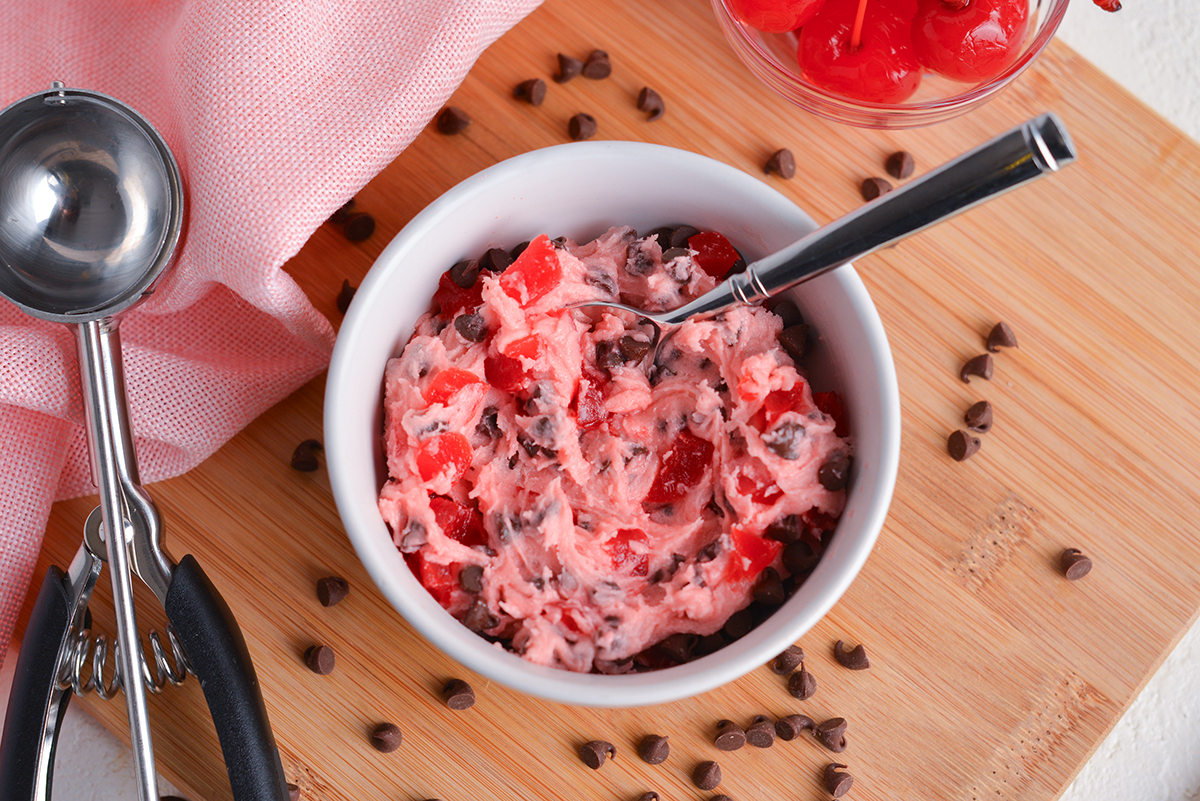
point(627, 690)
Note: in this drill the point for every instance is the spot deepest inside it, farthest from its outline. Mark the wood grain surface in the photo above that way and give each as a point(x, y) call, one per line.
point(991, 675)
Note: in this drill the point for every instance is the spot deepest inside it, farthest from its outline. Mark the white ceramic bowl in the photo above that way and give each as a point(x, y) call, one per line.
point(580, 190)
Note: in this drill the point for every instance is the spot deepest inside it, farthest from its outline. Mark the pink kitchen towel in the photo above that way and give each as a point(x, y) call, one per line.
point(278, 111)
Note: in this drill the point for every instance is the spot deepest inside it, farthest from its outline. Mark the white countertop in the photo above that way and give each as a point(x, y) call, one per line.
point(1152, 48)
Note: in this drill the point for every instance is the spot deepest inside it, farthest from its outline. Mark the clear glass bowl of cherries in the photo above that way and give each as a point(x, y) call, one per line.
point(890, 63)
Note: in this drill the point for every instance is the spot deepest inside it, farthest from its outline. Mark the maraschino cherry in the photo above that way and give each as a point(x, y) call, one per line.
point(969, 40)
point(775, 16)
point(862, 49)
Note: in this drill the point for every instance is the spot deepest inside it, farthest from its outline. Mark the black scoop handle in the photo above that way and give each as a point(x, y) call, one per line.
point(218, 655)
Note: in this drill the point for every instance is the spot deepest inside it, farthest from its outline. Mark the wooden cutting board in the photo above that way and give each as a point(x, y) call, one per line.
point(991, 675)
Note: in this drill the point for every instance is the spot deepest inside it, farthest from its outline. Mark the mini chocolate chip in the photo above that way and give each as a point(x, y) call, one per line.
point(453, 120)
point(648, 796)
point(835, 471)
point(594, 753)
point(709, 552)
point(900, 164)
point(597, 65)
point(761, 732)
point(293, 792)
point(802, 684)
point(1001, 336)
point(678, 647)
point(979, 417)
point(786, 310)
point(852, 658)
point(962, 445)
point(981, 365)
point(681, 234)
point(720, 797)
point(465, 273)
point(1075, 565)
point(794, 339)
point(495, 260)
point(358, 226)
point(654, 749)
point(386, 738)
point(730, 736)
point(342, 212)
point(533, 90)
point(782, 163)
point(788, 661)
point(784, 440)
point(516, 252)
point(739, 624)
point(489, 423)
point(470, 578)
point(707, 775)
point(800, 557)
point(651, 102)
point(345, 295)
point(458, 695)
point(332, 590)
point(581, 126)
point(304, 457)
point(471, 327)
point(874, 187)
point(768, 590)
point(832, 734)
point(836, 781)
point(670, 254)
point(788, 528)
point(789, 727)
point(568, 68)
point(633, 350)
point(320, 659)
point(478, 618)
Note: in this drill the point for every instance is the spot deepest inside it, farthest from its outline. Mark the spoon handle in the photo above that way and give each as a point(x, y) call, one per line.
point(1028, 151)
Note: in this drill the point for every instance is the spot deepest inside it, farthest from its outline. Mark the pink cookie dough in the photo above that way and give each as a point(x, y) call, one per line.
point(562, 496)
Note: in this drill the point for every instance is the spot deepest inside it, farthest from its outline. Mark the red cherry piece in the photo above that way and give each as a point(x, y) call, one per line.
point(448, 451)
point(535, 272)
point(762, 490)
point(450, 298)
point(971, 41)
point(752, 553)
point(446, 384)
point(831, 404)
point(780, 401)
point(775, 16)
point(505, 371)
point(590, 411)
point(714, 254)
point(439, 580)
point(627, 559)
point(460, 523)
point(682, 467)
point(882, 69)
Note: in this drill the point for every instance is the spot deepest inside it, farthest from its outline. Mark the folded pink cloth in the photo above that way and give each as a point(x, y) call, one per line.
point(278, 111)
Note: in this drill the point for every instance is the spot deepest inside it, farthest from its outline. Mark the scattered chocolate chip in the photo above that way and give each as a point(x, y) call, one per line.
point(900, 164)
point(651, 102)
point(730, 736)
point(568, 68)
point(648, 796)
point(304, 458)
point(789, 727)
point(832, 734)
point(720, 797)
point(761, 732)
point(874, 187)
point(594, 753)
point(470, 578)
point(332, 590)
point(386, 738)
point(358, 226)
point(852, 658)
point(962, 445)
point(495, 260)
point(581, 126)
point(788, 661)
point(465, 273)
point(597, 65)
point(802, 684)
point(979, 417)
point(453, 120)
point(458, 695)
point(471, 327)
point(293, 792)
point(782, 163)
point(654, 749)
point(342, 212)
point(794, 339)
point(1001, 336)
point(707, 775)
point(981, 365)
point(768, 590)
point(533, 90)
point(836, 781)
point(345, 295)
point(320, 659)
point(834, 472)
point(1075, 565)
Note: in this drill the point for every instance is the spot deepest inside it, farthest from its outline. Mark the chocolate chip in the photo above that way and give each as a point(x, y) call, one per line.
point(648, 796)
point(709, 552)
point(1074, 564)
point(458, 695)
point(453, 120)
point(681, 234)
point(739, 624)
point(332, 590)
point(785, 440)
point(465, 273)
point(852, 658)
point(720, 797)
point(1001, 336)
point(979, 417)
point(358, 226)
point(789, 727)
point(386, 738)
point(471, 327)
point(782, 163)
point(837, 782)
point(320, 659)
point(900, 164)
point(293, 792)
point(761, 732)
point(651, 102)
point(768, 590)
point(874, 187)
point(495, 260)
point(342, 212)
point(730, 736)
point(581, 126)
point(470, 578)
point(594, 753)
point(654, 749)
point(788, 661)
point(478, 618)
point(597, 66)
point(800, 557)
point(345, 295)
point(568, 68)
point(489, 423)
point(832, 734)
point(707, 775)
point(802, 684)
point(304, 457)
point(533, 90)
point(670, 254)
point(786, 310)
point(677, 648)
point(788, 528)
point(633, 350)
point(834, 473)
point(794, 340)
point(981, 365)
point(962, 445)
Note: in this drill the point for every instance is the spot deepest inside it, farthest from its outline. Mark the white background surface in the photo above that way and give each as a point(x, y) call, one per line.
point(1152, 48)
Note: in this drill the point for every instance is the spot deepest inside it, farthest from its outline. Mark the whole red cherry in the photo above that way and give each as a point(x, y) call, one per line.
point(883, 68)
point(969, 40)
point(775, 16)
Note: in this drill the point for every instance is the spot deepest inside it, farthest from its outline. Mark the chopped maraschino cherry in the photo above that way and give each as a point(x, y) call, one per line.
point(775, 16)
point(969, 40)
point(880, 68)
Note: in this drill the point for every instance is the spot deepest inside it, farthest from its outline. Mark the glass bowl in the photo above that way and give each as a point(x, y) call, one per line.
point(772, 58)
